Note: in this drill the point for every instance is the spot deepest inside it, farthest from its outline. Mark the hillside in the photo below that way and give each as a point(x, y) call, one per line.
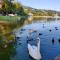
point(41, 12)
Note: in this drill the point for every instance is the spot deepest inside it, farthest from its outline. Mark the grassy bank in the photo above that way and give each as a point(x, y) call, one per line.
point(9, 24)
point(9, 18)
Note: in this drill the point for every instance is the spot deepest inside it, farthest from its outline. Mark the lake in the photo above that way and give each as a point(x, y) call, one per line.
point(49, 29)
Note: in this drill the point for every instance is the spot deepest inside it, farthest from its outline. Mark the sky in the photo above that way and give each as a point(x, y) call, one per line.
point(42, 4)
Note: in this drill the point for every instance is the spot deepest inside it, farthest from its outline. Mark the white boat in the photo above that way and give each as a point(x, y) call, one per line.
point(34, 51)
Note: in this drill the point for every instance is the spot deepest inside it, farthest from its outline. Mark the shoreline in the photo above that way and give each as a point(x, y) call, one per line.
point(45, 16)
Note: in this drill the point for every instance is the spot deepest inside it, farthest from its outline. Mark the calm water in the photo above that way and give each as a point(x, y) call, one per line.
point(49, 28)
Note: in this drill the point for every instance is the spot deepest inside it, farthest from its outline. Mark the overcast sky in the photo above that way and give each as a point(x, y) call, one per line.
point(42, 4)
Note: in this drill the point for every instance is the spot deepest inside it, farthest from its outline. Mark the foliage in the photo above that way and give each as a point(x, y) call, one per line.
point(41, 12)
point(11, 8)
point(1, 39)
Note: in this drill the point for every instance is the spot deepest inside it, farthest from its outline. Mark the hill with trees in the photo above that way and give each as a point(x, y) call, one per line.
point(42, 12)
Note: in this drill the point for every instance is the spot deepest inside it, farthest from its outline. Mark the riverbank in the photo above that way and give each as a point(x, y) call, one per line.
point(9, 18)
point(46, 16)
point(7, 25)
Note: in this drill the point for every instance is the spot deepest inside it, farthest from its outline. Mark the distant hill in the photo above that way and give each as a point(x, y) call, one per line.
point(41, 12)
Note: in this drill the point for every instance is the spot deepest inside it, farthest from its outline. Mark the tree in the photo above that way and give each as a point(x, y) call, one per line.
point(8, 8)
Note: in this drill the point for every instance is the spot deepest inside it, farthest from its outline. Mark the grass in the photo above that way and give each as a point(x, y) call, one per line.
point(9, 18)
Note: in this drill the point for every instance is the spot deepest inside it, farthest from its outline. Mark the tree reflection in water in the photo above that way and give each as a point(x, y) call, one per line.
point(7, 53)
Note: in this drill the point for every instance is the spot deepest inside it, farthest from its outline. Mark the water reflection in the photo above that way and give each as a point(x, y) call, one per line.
point(6, 54)
point(49, 32)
